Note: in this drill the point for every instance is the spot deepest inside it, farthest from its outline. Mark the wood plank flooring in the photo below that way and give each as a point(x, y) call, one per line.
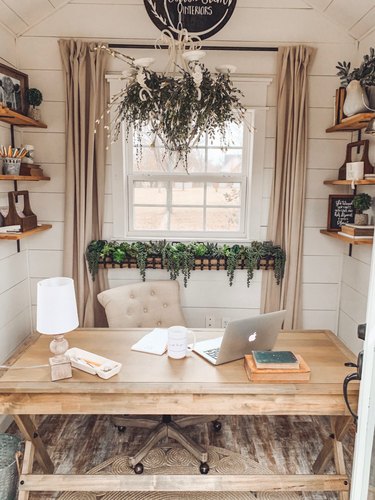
point(284, 444)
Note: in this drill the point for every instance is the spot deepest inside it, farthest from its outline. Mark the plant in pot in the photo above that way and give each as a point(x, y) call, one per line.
point(34, 98)
point(361, 202)
point(356, 81)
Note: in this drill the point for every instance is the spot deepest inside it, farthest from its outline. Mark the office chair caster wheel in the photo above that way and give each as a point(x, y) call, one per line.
point(216, 425)
point(121, 428)
point(138, 468)
point(204, 468)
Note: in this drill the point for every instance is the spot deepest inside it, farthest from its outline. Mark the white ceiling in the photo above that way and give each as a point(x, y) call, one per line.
point(356, 17)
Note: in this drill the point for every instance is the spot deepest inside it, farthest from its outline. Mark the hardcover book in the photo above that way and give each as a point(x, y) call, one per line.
point(275, 360)
point(277, 376)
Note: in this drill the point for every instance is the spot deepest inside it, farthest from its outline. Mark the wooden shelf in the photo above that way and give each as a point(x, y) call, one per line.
point(356, 122)
point(337, 182)
point(350, 241)
point(24, 178)
point(13, 118)
point(25, 234)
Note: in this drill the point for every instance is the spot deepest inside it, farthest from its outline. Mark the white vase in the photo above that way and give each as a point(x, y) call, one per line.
point(356, 99)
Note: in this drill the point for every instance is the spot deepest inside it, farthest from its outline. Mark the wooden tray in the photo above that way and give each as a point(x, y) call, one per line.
point(264, 375)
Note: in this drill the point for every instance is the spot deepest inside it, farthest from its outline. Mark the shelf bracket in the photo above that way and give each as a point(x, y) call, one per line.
point(18, 246)
point(350, 249)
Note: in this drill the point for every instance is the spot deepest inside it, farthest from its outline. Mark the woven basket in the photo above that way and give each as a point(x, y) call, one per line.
point(9, 446)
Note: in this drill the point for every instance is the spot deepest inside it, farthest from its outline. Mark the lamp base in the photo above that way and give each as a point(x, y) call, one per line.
point(60, 368)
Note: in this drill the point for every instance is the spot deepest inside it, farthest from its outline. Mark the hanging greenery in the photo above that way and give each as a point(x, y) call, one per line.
point(181, 258)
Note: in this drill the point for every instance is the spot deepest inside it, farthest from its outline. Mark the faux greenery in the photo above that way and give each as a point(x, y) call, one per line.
point(361, 202)
point(177, 110)
point(365, 73)
point(179, 258)
point(34, 97)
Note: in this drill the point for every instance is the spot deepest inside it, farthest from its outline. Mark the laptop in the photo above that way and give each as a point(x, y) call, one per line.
point(242, 337)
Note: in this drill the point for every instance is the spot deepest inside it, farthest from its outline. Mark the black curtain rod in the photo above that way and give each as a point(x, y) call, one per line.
point(204, 47)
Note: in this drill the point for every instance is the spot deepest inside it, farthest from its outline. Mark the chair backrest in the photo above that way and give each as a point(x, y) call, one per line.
point(142, 305)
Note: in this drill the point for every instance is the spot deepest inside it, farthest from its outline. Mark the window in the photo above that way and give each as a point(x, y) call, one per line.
point(210, 201)
point(222, 198)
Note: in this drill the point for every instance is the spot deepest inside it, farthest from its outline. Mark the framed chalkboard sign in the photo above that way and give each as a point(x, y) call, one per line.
point(201, 18)
point(340, 211)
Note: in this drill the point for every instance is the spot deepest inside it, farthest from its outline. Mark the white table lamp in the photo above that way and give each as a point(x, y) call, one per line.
point(56, 315)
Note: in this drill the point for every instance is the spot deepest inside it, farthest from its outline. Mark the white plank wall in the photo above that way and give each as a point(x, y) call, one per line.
point(295, 23)
point(14, 276)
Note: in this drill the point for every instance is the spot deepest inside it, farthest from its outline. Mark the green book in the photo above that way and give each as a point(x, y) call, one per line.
point(275, 360)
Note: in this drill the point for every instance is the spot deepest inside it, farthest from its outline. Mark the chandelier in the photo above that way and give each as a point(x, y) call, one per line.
point(178, 107)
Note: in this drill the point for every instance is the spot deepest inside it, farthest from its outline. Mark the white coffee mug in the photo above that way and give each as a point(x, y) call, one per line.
point(178, 341)
point(354, 170)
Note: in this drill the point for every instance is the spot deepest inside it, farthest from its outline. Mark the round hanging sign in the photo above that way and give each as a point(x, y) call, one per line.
point(201, 18)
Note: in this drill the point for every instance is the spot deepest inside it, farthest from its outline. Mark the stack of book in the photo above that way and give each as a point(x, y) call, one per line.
point(276, 367)
point(353, 231)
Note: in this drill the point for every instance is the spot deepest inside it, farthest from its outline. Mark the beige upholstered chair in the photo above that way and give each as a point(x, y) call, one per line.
point(152, 304)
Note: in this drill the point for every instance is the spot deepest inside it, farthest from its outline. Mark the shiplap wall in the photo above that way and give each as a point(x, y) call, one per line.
point(266, 21)
point(14, 277)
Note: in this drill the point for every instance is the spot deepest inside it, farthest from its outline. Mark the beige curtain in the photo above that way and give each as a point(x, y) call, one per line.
point(286, 218)
point(86, 97)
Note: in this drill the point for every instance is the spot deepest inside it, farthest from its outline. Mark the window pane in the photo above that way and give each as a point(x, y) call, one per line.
point(187, 193)
point(223, 219)
point(234, 137)
point(229, 161)
point(151, 159)
point(187, 219)
point(150, 218)
point(196, 162)
point(223, 193)
point(150, 193)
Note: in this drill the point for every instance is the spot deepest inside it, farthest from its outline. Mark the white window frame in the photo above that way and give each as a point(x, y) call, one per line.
point(257, 89)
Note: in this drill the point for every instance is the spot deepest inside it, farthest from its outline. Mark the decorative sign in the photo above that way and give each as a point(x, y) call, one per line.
point(201, 18)
point(340, 211)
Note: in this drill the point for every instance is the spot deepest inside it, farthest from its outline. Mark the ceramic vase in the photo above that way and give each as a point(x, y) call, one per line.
point(35, 114)
point(371, 97)
point(355, 100)
point(361, 219)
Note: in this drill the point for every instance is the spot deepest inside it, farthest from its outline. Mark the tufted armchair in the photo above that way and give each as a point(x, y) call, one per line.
point(150, 305)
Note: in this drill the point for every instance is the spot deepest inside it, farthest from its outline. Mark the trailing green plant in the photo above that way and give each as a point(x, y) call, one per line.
point(179, 258)
point(361, 202)
point(365, 73)
point(34, 97)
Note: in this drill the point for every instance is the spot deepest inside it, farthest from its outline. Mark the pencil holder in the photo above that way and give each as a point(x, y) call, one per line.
point(11, 166)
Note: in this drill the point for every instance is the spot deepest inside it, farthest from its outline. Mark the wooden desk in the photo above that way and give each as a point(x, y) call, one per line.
point(150, 384)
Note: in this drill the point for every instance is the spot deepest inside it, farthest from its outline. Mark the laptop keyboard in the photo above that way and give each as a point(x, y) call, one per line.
point(213, 353)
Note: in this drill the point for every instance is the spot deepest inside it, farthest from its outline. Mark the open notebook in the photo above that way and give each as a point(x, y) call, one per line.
point(154, 342)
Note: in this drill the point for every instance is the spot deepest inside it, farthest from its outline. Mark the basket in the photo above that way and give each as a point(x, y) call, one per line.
point(9, 446)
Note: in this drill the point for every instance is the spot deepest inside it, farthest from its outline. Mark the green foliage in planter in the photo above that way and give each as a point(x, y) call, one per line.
point(179, 258)
point(365, 73)
point(34, 97)
point(362, 202)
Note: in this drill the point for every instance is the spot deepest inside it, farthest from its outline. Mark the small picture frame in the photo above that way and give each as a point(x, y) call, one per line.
point(340, 211)
point(13, 86)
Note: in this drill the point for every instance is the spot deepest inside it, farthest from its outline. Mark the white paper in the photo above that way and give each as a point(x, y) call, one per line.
point(154, 342)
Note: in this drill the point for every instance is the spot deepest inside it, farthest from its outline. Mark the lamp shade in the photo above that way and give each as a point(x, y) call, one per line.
point(56, 306)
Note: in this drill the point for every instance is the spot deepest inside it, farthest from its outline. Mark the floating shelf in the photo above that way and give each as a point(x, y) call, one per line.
point(356, 122)
point(25, 234)
point(350, 241)
point(337, 182)
point(24, 178)
point(13, 118)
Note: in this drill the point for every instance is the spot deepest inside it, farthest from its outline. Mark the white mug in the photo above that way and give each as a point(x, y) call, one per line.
point(354, 170)
point(178, 341)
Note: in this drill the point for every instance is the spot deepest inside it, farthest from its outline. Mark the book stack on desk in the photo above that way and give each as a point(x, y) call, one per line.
point(276, 366)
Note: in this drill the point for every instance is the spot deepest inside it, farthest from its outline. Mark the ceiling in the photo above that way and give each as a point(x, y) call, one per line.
point(356, 17)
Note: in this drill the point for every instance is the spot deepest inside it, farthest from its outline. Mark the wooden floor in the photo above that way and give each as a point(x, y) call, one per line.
point(283, 444)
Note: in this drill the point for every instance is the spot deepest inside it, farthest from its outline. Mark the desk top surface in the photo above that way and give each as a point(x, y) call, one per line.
point(147, 373)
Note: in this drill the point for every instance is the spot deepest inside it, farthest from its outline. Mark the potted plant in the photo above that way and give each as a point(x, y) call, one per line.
point(34, 98)
point(361, 202)
point(356, 81)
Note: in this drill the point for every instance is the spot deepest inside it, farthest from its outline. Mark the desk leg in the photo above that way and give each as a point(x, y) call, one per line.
point(333, 449)
point(30, 433)
point(27, 466)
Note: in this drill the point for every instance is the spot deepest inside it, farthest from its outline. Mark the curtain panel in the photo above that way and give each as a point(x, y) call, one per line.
point(86, 99)
point(287, 206)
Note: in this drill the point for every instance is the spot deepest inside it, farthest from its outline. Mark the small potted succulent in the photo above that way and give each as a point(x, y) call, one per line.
point(34, 98)
point(361, 202)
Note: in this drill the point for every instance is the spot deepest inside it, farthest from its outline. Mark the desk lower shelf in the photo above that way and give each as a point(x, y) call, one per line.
point(25, 234)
